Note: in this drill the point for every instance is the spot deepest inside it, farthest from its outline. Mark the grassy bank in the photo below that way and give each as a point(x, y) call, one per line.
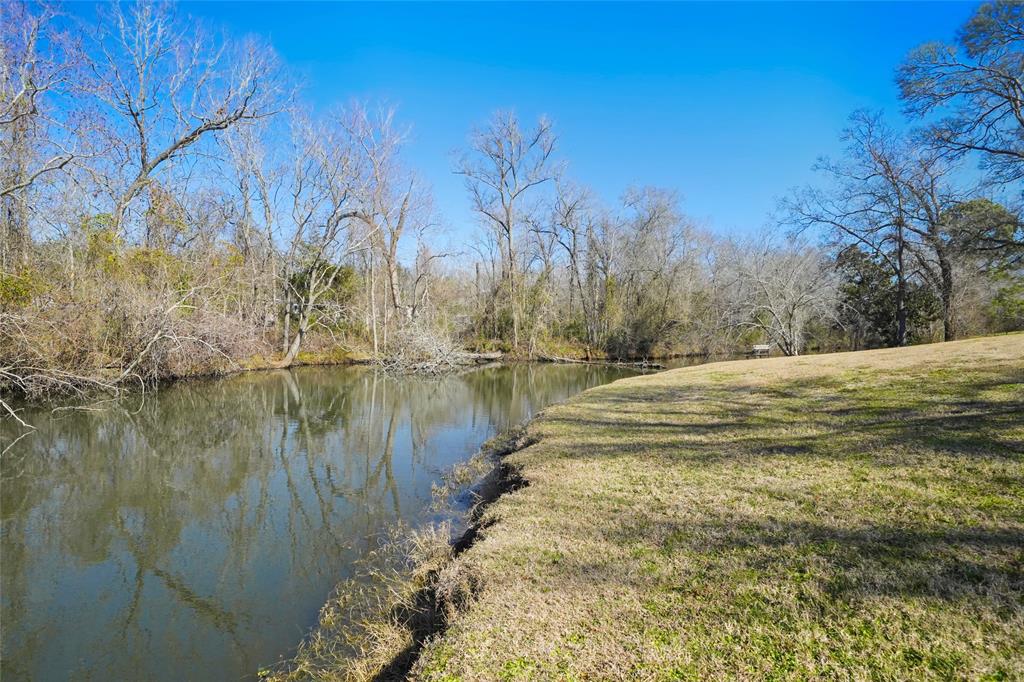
point(850, 516)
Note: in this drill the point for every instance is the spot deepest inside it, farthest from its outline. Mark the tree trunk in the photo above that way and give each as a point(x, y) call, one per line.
point(391, 261)
point(901, 293)
point(479, 317)
point(14, 207)
point(296, 344)
point(14, 245)
point(373, 305)
point(948, 322)
point(512, 291)
point(287, 322)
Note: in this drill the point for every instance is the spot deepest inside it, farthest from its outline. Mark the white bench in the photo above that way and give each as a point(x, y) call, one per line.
point(761, 349)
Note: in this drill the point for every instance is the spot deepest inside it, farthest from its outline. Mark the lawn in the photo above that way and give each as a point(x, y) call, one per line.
point(852, 516)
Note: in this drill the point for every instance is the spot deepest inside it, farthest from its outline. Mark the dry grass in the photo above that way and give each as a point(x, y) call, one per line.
point(852, 516)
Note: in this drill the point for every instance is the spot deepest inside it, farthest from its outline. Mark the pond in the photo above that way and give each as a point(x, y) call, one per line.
point(195, 532)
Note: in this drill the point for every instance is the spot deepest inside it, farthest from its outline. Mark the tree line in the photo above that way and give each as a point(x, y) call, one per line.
point(169, 206)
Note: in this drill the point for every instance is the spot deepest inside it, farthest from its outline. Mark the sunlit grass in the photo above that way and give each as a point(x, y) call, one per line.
point(854, 516)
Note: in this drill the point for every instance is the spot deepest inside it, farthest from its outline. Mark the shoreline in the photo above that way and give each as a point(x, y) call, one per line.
point(777, 481)
point(324, 359)
point(412, 574)
point(320, 452)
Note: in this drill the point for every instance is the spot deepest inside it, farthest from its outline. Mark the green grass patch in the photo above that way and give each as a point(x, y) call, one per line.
point(848, 516)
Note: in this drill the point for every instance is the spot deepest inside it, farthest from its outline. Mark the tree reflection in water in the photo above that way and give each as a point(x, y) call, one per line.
point(195, 533)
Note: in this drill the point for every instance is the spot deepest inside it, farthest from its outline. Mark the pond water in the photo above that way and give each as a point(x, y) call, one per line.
point(195, 533)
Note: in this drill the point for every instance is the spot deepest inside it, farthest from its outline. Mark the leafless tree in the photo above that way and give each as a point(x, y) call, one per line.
point(891, 196)
point(503, 165)
point(781, 290)
point(40, 133)
point(932, 198)
point(166, 86)
point(259, 176)
point(649, 260)
point(866, 201)
point(395, 201)
point(325, 187)
point(573, 225)
point(424, 274)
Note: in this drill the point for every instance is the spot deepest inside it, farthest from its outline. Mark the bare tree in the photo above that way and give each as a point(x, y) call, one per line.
point(573, 225)
point(892, 196)
point(394, 202)
point(936, 253)
point(424, 274)
point(649, 259)
point(324, 188)
point(504, 163)
point(867, 202)
point(780, 291)
point(980, 82)
point(39, 134)
point(259, 176)
point(167, 87)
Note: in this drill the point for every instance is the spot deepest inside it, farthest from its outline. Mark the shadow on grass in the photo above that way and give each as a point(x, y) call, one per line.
point(982, 416)
point(822, 559)
point(983, 567)
point(906, 421)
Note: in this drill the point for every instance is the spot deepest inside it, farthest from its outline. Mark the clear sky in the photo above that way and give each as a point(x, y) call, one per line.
point(729, 103)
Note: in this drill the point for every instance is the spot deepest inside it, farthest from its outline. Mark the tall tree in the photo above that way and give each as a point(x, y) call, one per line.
point(394, 202)
point(503, 165)
point(40, 133)
point(930, 195)
point(866, 202)
point(649, 264)
point(979, 81)
point(166, 86)
point(324, 191)
point(573, 225)
point(259, 176)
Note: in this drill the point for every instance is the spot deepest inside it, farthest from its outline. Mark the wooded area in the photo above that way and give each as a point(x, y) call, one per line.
point(171, 206)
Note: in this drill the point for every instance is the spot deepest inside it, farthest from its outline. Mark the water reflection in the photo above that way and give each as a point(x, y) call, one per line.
point(195, 535)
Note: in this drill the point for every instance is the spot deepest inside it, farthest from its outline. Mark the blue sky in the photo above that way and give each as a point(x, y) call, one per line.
point(729, 103)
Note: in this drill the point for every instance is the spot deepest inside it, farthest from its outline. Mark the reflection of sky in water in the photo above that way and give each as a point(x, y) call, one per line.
point(196, 535)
